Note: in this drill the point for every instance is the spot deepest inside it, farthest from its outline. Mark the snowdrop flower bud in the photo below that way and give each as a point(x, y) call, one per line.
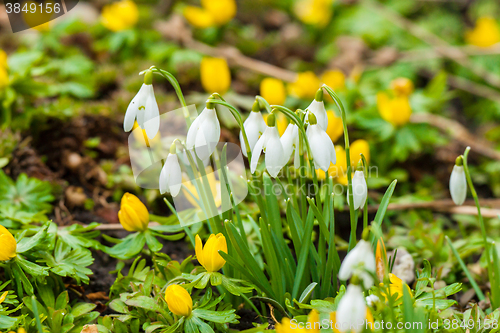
point(351, 311)
point(204, 133)
point(317, 107)
point(254, 127)
point(171, 174)
point(458, 183)
point(144, 107)
point(271, 144)
point(360, 261)
point(322, 150)
point(359, 188)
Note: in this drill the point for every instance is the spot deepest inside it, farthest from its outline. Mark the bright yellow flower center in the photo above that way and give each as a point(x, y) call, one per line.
point(208, 255)
point(120, 15)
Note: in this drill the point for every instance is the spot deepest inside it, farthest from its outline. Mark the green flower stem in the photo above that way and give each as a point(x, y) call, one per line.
point(494, 289)
point(338, 102)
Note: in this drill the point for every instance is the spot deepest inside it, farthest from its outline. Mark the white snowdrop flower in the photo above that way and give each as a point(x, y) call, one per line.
point(290, 142)
point(351, 311)
point(317, 107)
point(171, 174)
point(144, 108)
point(360, 261)
point(458, 182)
point(322, 150)
point(372, 299)
point(271, 144)
point(359, 189)
point(204, 133)
point(254, 127)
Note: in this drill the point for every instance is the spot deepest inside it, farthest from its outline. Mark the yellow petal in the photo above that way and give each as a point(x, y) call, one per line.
point(120, 15)
point(8, 244)
point(141, 217)
point(380, 259)
point(314, 323)
point(3, 296)
point(215, 75)
point(485, 34)
point(402, 86)
point(305, 86)
point(359, 147)
point(335, 128)
point(335, 79)
point(199, 251)
point(273, 91)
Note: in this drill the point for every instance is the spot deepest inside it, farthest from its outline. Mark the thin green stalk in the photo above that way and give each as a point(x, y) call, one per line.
point(338, 102)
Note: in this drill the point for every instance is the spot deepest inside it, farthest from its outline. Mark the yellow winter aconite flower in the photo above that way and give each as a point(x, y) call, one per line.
point(9, 245)
point(212, 13)
point(402, 86)
point(133, 214)
point(314, 12)
point(305, 86)
point(286, 326)
point(120, 15)
point(396, 286)
point(357, 148)
point(199, 17)
point(3, 59)
point(4, 78)
point(380, 259)
point(215, 75)
point(335, 128)
point(273, 91)
point(208, 255)
point(222, 11)
point(178, 300)
point(281, 122)
point(333, 321)
point(485, 34)
point(335, 79)
point(395, 110)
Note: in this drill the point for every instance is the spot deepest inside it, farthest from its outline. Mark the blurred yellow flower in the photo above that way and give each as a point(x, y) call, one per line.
point(305, 86)
point(335, 79)
point(357, 148)
point(286, 326)
point(209, 256)
point(4, 78)
point(211, 13)
point(335, 128)
point(3, 59)
point(222, 11)
point(9, 244)
point(37, 20)
point(485, 34)
point(314, 12)
point(333, 320)
point(215, 75)
point(120, 15)
point(178, 300)
point(395, 110)
point(396, 287)
point(189, 189)
point(402, 86)
point(281, 121)
point(198, 17)
point(273, 91)
point(133, 214)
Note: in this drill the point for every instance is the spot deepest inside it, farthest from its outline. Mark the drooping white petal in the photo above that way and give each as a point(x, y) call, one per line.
point(289, 140)
point(359, 190)
point(171, 176)
point(138, 102)
point(458, 185)
point(318, 109)
point(151, 114)
point(351, 311)
point(257, 150)
point(193, 130)
point(322, 147)
point(254, 127)
point(274, 152)
point(208, 134)
point(359, 261)
point(372, 299)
